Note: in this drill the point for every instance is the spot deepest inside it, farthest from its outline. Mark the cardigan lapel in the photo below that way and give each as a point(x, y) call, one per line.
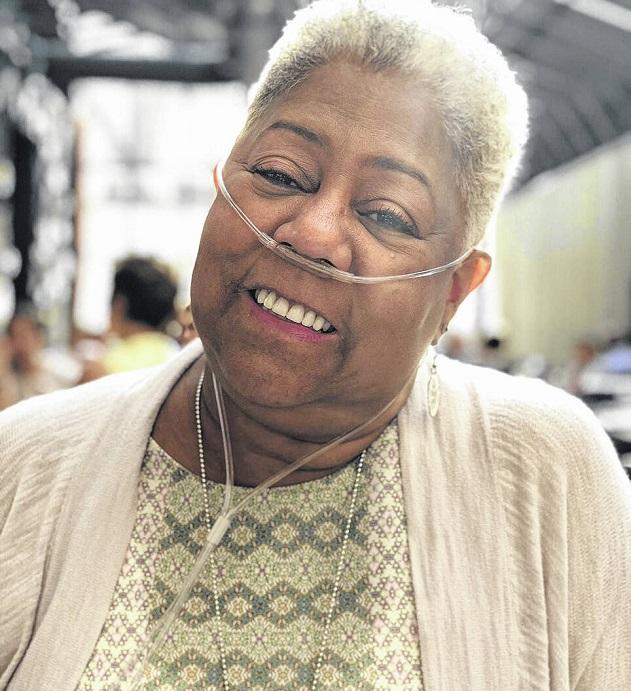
point(93, 531)
point(457, 540)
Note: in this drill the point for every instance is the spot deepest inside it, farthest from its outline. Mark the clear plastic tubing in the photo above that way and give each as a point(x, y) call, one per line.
point(222, 523)
point(316, 267)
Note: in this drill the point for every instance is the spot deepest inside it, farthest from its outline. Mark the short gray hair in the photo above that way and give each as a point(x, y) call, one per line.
point(484, 110)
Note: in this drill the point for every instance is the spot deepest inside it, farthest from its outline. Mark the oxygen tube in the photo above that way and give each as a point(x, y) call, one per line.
point(161, 630)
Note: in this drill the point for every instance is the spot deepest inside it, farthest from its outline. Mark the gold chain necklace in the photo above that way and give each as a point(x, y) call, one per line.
point(208, 521)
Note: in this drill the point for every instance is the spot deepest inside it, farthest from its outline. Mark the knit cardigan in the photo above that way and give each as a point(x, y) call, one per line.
point(518, 513)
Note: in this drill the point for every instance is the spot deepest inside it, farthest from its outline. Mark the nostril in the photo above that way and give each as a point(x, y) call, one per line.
point(289, 248)
point(317, 260)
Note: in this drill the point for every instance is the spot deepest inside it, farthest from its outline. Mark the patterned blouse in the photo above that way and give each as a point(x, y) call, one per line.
point(275, 571)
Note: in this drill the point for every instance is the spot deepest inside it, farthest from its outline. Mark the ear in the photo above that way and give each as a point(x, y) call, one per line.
point(465, 279)
point(119, 306)
point(118, 313)
point(468, 276)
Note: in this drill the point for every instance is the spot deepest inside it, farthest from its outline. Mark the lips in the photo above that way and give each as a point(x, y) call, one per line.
point(292, 311)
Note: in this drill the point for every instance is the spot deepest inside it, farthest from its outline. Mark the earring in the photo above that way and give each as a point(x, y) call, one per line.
point(433, 388)
point(443, 330)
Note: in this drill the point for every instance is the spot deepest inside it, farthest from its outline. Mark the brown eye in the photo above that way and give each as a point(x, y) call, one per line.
point(389, 219)
point(277, 177)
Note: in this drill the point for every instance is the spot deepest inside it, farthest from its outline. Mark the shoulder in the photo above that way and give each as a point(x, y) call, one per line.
point(540, 437)
point(92, 404)
point(58, 413)
point(492, 386)
point(549, 445)
point(43, 439)
point(524, 413)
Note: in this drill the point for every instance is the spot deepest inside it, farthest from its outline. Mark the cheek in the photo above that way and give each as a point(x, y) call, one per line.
point(408, 315)
point(225, 236)
point(225, 246)
point(398, 324)
point(209, 282)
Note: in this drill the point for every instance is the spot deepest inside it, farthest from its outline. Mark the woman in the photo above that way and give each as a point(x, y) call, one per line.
point(471, 532)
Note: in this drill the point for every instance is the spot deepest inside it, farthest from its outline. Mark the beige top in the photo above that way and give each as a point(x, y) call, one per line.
point(274, 570)
point(518, 515)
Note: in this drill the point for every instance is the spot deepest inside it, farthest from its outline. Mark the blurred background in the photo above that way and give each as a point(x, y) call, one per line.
point(113, 114)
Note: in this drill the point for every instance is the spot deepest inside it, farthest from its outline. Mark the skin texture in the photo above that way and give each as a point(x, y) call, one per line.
point(286, 395)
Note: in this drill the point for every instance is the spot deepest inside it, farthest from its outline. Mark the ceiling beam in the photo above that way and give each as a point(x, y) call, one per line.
point(62, 70)
point(604, 11)
point(604, 59)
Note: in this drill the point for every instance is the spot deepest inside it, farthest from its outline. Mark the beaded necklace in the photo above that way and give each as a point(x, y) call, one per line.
point(209, 523)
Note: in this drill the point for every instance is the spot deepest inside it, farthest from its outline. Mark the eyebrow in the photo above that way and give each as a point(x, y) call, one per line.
point(303, 132)
point(387, 163)
point(383, 162)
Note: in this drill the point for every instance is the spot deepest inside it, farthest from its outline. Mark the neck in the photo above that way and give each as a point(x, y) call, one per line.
point(261, 449)
point(131, 328)
point(26, 364)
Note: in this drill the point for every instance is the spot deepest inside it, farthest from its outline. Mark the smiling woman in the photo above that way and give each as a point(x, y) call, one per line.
point(308, 497)
point(316, 175)
point(389, 226)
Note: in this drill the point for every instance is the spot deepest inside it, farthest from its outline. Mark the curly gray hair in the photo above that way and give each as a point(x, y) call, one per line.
point(484, 110)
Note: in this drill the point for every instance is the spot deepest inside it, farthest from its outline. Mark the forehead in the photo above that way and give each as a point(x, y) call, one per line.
point(356, 109)
point(358, 117)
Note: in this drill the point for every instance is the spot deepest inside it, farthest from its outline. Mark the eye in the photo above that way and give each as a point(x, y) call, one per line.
point(392, 220)
point(276, 177)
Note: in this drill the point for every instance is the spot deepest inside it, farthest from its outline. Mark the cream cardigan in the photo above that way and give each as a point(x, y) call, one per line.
point(519, 520)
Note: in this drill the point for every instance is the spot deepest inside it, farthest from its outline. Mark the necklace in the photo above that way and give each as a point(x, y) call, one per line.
point(208, 521)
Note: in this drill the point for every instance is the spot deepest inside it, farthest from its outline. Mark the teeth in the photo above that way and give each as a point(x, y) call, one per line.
point(294, 312)
point(281, 307)
point(309, 318)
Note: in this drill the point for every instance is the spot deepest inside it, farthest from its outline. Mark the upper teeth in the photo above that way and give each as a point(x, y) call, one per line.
point(295, 312)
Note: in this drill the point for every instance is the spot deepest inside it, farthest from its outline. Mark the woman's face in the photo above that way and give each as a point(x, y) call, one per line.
point(347, 149)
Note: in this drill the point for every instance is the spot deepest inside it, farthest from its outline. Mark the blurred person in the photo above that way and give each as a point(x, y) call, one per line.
point(142, 304)
point(616, 358)
point(187, 331)
point(36, 368)
point(8, 380)
point(532, 365)
point(492, 354)
point(309, 497)
point(456, 346)
point(570, 376)
point(606, 374)
point(453, 346)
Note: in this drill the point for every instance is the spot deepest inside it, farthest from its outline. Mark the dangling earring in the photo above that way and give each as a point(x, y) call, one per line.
point(433, 388)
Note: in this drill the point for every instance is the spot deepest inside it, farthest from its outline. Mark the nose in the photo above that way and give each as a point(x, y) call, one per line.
point(320, 231)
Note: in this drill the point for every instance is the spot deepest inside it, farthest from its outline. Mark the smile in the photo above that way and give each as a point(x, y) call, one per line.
point(291, 311)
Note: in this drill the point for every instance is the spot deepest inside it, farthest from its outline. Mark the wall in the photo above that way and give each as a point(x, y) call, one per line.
point(146, 153)
point(563, 255)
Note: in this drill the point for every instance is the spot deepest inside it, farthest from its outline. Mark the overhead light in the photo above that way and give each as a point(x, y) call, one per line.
point(603, 10)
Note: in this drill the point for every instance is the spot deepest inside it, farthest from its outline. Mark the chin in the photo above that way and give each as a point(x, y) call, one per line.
point(263, 381)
